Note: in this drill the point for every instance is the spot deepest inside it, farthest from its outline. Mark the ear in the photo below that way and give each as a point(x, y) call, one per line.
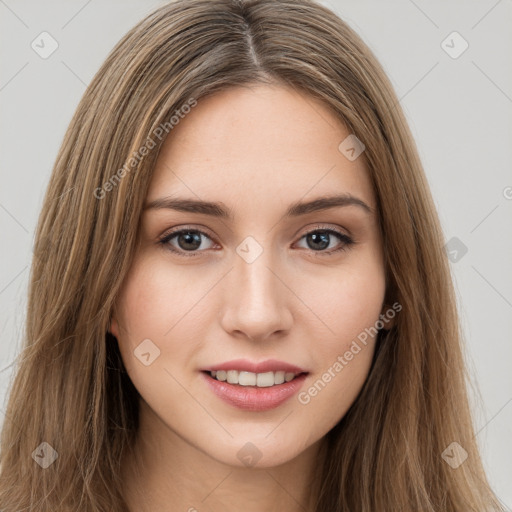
point(113, 327)
point(388, 316)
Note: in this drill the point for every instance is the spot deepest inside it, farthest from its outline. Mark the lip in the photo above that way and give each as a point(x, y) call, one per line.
point(253, 398)
point(244, 365)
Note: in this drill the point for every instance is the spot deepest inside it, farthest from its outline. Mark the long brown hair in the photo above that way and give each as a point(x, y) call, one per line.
point(71, 390)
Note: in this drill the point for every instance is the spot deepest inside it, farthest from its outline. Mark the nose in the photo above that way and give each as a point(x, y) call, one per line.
point(257, 299)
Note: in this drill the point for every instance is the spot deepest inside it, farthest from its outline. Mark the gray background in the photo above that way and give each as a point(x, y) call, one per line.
point(459, 110)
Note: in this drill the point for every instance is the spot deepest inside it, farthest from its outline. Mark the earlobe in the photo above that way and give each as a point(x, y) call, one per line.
point(113, 327)
point(388, 317)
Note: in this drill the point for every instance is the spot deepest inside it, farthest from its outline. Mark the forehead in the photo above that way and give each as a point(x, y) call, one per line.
point(248, 144)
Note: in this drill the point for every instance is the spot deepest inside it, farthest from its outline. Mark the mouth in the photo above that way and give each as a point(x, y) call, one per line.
point(255, 392)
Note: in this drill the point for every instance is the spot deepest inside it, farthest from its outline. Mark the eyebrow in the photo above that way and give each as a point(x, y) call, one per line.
point(218, 210)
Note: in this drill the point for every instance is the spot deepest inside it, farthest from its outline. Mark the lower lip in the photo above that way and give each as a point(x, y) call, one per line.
point(253, 398)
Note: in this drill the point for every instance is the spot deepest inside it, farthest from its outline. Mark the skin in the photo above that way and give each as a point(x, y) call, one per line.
point(256, 150)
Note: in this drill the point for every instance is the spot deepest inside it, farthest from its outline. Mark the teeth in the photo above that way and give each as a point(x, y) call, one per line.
point(261, 380)
point(232, 377)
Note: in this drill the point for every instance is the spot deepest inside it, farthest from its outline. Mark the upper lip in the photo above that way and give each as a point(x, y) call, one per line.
point(244, 365)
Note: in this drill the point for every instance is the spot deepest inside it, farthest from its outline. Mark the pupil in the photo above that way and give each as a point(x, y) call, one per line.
point(192, 240)
point(321, 238)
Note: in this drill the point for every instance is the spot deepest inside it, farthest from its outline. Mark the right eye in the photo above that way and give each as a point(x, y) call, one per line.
point(187, 242)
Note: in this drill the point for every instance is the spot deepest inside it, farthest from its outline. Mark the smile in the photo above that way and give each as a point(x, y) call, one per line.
point(255, 392)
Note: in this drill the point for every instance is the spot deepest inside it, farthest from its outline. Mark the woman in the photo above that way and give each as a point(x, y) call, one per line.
point(239, 295)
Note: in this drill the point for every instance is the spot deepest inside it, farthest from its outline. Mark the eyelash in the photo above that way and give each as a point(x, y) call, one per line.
point(347, 241)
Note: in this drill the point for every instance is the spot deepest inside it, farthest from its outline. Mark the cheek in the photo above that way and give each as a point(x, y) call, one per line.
point(348, 304)
point(155, 304)
point(346, 301)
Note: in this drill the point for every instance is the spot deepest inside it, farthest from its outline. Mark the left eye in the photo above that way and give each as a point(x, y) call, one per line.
point(189, 241)
point(319, 239)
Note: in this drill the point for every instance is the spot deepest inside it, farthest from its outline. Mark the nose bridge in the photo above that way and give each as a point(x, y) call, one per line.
point(258, 282)
point(256, 298)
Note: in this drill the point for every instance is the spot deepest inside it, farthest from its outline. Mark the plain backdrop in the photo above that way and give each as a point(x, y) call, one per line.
point(457, 100)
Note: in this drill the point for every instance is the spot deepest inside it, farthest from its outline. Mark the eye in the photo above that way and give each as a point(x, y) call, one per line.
point(320, 238)
point(188, 241)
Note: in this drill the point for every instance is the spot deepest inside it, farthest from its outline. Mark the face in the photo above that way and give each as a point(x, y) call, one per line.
point(259, 289)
